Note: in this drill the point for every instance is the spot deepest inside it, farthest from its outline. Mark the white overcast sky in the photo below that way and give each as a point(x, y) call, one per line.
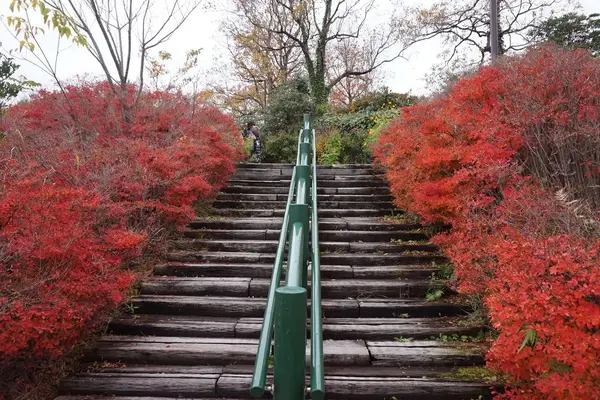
point(202, 31)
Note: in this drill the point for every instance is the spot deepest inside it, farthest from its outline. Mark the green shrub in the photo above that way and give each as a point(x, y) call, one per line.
point(283, 118)
point(350, 135)
point(345, 122)
point(280, 148)
point(345, 148)
point(380, 120)
point(384, 100)
point(286, 108)
point(332, 150)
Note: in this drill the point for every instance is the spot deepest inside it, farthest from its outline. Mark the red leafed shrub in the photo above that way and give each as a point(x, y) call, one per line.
point(510, 157)
point(82, 191)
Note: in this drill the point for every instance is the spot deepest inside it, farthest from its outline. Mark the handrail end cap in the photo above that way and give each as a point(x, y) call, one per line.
point(317, 394)
point(257, 391)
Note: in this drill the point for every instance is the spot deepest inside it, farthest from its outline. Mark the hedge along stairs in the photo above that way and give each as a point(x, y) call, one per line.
point(196, 324)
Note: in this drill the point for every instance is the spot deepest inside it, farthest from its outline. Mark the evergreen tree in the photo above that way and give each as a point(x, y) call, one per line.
point(9, 86)
point(571, 30)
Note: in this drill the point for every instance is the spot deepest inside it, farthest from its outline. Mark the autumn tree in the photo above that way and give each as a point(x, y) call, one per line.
point(26, 29)
point(313, 26)
point(346, 57)
point(464, 26)
point(571, 30)
point(26, 22)
point(260, 59)
point(119, 34)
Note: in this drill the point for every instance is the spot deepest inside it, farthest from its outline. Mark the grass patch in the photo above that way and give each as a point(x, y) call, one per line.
point(402, 218)
point(438, 280)
point(434, 294)
point(480, 337)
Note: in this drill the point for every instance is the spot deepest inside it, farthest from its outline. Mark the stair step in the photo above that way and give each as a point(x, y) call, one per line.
point(358, 288)
point(273, 234)
point(372, 236)
point(224, 351)
point(326, 258)
point(241, 369)
point(365, 182)
point(245, 165)
point(284, 190)
point(325, 213)
point(325, 224)
point(218, 306)
point(333, 328)
point(248, 270)
point(381, 259)
point(270, 246)
point(337, 236)
point(232, 382)
point(261, 175)
point(254, 205)
point(244, 287)
point(265, 271)
point(319, 167)
point(323, 198)
point(321, 172)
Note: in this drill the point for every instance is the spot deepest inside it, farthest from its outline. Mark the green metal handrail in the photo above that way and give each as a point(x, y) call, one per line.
point(285, 315)
point(317, 372)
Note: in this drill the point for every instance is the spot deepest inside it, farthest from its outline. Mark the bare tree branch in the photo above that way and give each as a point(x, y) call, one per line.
point(463, 26)
point(116, 32)
point(314, 27)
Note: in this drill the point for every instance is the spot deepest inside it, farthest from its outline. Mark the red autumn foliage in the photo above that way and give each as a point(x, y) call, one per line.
point(489, 158)
point(82, 191)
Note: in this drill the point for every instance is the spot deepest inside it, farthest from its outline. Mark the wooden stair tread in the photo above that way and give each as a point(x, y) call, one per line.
point(233, 385)
point(333, 328)
point(263, 270)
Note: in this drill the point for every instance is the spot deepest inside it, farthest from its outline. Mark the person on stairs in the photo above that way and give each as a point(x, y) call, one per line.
point(253, 133)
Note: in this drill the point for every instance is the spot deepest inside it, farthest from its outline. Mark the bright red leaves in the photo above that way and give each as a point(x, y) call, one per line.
point(82, 191)
point(477, 159)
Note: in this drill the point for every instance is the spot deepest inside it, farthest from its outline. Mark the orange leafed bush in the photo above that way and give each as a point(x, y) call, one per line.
point(511, 158)
point(82, 191)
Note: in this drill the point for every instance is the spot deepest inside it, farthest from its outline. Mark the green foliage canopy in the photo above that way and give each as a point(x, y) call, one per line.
point(571, 30)
point(9, 86)
point(282, 120)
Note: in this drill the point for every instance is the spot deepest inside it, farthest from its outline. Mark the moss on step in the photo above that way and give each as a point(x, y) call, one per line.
point(401, 218)
point(474, 374)
point(480, 337)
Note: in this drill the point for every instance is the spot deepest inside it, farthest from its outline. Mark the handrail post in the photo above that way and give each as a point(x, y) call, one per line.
point(299, 218)
point(290, 310)
point(308, 121)
point(302, 184)
point(304, 153)
point(290, 343)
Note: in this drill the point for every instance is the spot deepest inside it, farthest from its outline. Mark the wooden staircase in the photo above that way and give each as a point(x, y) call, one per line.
point(196, 323)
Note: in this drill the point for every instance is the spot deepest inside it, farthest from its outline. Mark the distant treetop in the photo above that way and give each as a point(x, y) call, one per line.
point(384, 99)
point(571, 30)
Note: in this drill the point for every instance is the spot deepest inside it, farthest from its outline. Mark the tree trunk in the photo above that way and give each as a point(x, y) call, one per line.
point(126, 107)
point(319, 92)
